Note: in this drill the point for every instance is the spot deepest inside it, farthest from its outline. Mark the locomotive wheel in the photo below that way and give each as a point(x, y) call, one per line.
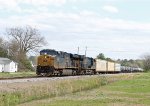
point(37, 73)
point(74, 72)
point(49, 74)
point(43, 74)
point(83, 72)
point(60, 73)
point(94, 72)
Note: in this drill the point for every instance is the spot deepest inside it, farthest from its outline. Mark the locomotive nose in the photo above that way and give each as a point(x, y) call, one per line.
point(44, 60)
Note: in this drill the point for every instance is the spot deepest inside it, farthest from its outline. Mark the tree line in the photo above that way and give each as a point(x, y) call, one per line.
point(20, 42)
point(102, 57)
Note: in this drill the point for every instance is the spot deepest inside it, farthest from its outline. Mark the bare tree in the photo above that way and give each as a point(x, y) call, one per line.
point(2, 42)
point(13, 49)
point(23, 40)
point(3, 48)
point(27, 38)
point(146, 62)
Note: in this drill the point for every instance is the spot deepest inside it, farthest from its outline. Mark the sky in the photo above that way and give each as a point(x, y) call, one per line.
point(117, 28)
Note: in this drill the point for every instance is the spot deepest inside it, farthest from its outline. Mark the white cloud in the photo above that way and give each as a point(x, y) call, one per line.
point(85, 21)
point(110, 9)
point(14, 5)
point(9, 5)
point(78, 22)
point(44, 2)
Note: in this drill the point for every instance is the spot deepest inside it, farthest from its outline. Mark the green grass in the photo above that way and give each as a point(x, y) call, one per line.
point(130, 91)
point(16, 74)
point(136, 85)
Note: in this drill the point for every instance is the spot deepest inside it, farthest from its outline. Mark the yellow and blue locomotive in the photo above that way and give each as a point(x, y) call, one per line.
point(51, 62)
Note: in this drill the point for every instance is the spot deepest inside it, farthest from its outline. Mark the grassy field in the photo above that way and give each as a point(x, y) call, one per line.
point(130, 91)
point(113, 90)
point(17, 74)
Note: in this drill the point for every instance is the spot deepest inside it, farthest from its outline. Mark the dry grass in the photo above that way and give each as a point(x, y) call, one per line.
point(15, 93)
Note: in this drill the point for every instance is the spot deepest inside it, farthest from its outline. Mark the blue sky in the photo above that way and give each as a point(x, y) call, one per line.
point(117, 28)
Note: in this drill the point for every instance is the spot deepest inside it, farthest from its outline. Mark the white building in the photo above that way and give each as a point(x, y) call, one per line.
point(7, 65)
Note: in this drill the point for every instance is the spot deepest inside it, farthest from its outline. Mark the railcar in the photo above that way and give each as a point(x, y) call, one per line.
point(103, 66)
point(128, 69)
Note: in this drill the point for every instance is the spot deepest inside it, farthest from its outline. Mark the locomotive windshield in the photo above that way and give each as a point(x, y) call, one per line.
point(48, 52)
point(43, 52)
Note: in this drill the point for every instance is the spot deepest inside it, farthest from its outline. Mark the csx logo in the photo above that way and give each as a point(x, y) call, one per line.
point(44, 60)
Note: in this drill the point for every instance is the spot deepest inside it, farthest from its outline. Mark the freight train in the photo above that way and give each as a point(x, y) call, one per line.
point(52, 62)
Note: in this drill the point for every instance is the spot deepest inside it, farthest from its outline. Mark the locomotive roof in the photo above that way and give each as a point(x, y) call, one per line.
point(54, 52)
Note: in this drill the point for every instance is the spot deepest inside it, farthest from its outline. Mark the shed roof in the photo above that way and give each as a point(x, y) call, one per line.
point(5, 60)
point(2, 58)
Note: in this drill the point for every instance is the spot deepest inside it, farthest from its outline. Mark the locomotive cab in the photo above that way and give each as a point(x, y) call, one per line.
point(45, 65)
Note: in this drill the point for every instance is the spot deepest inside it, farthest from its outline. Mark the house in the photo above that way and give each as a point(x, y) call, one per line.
point(7, 65)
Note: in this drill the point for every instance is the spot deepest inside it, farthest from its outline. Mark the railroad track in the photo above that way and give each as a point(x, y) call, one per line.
point(36, 79)
point(41, 78)
point(11, 78)
point(30, 77)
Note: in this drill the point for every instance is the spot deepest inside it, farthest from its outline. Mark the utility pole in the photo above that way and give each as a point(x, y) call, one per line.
point(85, 50)
point(78, 50)
point(85, 60)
